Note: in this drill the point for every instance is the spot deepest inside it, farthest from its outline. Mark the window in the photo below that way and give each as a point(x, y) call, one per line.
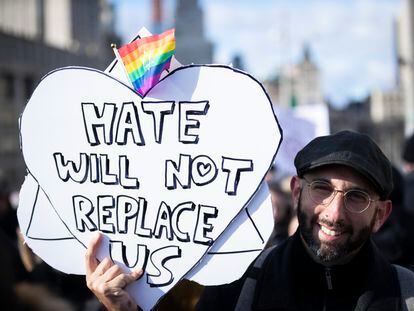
point(28, 87)
point(7, 86)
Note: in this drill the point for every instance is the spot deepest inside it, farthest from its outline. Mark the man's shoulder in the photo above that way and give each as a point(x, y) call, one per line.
point(406, 280)
point(405, 276)
point(225, 296)
point(280, 253)
point(409, 179)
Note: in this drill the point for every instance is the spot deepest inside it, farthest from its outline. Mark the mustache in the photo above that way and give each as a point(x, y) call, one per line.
point(337, 225)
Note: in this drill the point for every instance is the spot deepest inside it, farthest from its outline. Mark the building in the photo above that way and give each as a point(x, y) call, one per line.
point(191, 43)
point(354, 116)
point(391, 111)
point(37, 36)
point(237, 61)
point(387, 115)
point(386, 105)
point(405, 50)
point(300, 84)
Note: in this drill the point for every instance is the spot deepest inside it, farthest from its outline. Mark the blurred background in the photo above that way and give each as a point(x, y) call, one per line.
point(326, 65)
point(343, 64)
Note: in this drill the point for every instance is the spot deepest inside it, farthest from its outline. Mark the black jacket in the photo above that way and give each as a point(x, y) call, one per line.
point(291, 280)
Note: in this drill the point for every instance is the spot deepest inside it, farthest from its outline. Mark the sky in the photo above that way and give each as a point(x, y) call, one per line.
point(351, 41)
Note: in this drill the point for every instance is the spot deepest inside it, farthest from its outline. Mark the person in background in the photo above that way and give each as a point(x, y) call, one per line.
point(284, 215)
point(8, 216)
point(392, 237)
point(408, 158)
point(407, 218)
point(341, 192)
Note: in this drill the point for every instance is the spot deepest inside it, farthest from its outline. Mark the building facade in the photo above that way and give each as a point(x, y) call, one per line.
point(192, 46)
point(300, 84)
point(387, 115)
point(405, 49)
point(37, 36)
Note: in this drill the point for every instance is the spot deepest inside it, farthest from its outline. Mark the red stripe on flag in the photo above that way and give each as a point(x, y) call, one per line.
point(126, 49)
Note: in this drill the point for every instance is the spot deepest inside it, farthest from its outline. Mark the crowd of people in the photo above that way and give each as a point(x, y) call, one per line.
point(343, 239)
point(28, 283)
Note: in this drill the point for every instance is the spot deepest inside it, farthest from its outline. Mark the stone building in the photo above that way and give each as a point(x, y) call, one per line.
point(191, 43)
point(37, 36)
point(300, 84)
point(387, 115)
point(405, 51)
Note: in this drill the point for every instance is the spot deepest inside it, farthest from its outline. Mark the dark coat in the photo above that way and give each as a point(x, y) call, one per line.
point(291, 280)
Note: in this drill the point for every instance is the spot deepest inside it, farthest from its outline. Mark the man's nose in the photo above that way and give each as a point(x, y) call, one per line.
point(335, 210)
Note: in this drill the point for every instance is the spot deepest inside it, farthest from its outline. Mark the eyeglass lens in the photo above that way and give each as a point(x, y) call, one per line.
point(322, 192)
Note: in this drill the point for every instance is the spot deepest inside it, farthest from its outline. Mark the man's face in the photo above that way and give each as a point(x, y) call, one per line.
point(331, 232)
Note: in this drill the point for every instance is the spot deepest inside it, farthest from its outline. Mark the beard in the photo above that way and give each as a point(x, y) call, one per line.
point(325, 251)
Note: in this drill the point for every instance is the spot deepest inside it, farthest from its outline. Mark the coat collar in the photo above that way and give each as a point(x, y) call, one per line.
point(291, 280)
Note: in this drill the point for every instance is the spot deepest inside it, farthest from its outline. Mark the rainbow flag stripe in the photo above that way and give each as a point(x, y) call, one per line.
point(145, 59)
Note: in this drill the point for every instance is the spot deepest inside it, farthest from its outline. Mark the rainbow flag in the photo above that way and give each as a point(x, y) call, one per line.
point(145, 59)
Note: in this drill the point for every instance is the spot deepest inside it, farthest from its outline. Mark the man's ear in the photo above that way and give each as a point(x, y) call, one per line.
point(295, 187)
point(384, 210)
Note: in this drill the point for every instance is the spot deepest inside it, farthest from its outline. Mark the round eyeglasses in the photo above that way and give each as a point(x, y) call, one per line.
point(322, 192)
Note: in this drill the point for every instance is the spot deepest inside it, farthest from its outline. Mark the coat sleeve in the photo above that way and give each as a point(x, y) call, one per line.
point(220, 297)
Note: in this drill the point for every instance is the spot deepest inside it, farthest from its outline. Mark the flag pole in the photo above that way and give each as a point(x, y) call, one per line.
point(121, 63)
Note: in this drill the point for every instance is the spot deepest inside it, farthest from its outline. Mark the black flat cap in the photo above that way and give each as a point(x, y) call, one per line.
point(355, 150)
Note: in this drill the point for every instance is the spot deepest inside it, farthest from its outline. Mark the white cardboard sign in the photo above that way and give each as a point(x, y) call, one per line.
point(162, 176)
point(241, 242)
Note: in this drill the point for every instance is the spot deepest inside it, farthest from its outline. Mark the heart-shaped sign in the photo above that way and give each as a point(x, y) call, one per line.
point(161, 176)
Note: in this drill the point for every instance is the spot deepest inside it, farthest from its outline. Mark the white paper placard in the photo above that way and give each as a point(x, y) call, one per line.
point(172, 169)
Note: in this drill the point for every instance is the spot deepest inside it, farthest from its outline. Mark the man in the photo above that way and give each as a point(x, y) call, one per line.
point(341, 193)
point(408, 205)
point(408, 158)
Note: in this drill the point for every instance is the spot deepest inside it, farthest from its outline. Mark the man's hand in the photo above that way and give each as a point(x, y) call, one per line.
point(107, 281)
